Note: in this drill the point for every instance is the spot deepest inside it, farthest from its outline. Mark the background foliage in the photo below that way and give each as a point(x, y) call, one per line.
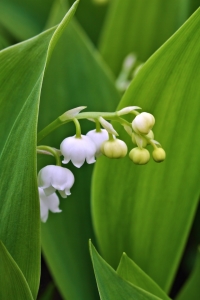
point(145, 211)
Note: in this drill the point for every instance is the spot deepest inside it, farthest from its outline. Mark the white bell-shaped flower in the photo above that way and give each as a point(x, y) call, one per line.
point(143, 123)
point(48, 203)
point(98, 137)
point(52, 178)
point(78, 150)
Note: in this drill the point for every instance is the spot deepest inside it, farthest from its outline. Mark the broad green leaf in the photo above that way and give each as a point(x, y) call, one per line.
point(21, 76)
point(13, 285)
point(139, 26)
point(129, 271)
point(147, 211)
point(75, 77)
point(24, 19)
point(111, 286)
point(191, 288)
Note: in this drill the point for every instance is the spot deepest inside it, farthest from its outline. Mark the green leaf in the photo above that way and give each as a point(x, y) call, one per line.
point(81, 79)
point(147, 211)
point(91, 16)
point(22, 18)
point(13, 285)
point(139, 26)
point(191, 289)
point(111, 286)
point(48, 293)
point(21, 76)
point(129, 271)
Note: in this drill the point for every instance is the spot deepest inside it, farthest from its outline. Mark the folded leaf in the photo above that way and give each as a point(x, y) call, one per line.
point(13, 285)
point(113, 287)
point(21, 76)
point(129, 271)
point(147, 211)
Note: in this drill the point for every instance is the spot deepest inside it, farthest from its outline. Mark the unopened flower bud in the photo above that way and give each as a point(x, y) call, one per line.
point(159, 154)
point(114, 148)
point(139, 156)
point(143, 123)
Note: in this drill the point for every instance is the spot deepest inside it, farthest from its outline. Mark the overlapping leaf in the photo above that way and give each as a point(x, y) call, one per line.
point(80, 79)
point(111, 286)
point(129, 271)
point(151, 207)
point(21, 76)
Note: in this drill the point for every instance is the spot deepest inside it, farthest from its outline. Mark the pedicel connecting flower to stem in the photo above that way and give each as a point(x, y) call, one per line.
point(80, 148)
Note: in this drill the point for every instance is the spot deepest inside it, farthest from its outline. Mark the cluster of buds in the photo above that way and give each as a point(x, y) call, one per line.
point(80, 148)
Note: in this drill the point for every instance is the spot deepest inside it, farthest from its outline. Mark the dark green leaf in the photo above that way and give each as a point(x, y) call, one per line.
point(191, 288)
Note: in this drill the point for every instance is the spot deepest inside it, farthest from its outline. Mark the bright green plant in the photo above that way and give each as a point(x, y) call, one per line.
point(116, 58)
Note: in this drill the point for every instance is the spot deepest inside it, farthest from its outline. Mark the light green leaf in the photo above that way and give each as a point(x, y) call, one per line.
point(22, 18)
point(147, 211)
point(191, 288)
point(21, 76)
point(13, 285)
point(129, 271)
point(111, 286)
point(81, 79)
point(139, 26)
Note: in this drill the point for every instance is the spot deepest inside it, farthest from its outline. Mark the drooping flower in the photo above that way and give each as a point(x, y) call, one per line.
point(143, 123)
point(114, 148)
point(48, 203)
point(52, 178)
point(98, 137)
point(78, 150)
point(139, 156)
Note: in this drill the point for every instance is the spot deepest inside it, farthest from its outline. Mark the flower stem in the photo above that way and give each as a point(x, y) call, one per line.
point(78, 128)
point(51, 150)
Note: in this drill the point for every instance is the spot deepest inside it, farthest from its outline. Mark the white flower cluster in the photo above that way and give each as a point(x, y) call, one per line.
point(81, 148)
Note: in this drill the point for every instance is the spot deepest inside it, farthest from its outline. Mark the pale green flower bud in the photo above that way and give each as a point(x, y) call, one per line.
point(159, 154)
point(139, 156)
point(143, 123)
point(114, 148)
